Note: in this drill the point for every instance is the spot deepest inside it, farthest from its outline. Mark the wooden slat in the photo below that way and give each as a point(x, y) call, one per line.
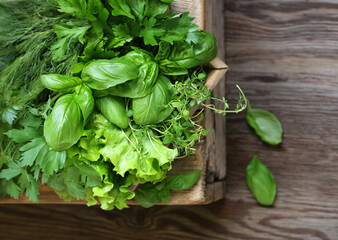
point(216, 139)
point(218, 63)
point(284, 56)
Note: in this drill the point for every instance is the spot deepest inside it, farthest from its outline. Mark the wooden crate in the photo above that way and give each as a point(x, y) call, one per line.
point(210, 154)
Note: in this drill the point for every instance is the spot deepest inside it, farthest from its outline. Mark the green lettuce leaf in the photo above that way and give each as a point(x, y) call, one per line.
point(89, 146)
point(138, 153)
point(114, 191)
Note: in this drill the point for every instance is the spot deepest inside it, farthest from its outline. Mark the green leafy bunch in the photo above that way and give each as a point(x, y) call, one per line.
point(100, 97)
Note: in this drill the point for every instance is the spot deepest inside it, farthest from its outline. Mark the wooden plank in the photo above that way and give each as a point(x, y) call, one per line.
point(216, 139)
point(284, 56)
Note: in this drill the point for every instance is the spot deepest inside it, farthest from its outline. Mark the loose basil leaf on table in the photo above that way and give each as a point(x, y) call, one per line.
point(154, 108)
point(261, 182)
point(144, 83)
point(148, 195)
point(266, 125)
point(103, 74)
point(114, 109)
point(60, 83)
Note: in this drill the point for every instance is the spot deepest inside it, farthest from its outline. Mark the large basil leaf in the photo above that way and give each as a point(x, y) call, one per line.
point(261, 182)
point(266, 125)
point(184, 55)
point(84, 98)
point(63, 127)
point(145, 82)
point(154, 108)
point(114, 109)
point(103, 74)
point(170, 68)
point(60, 83)
point(146, 195)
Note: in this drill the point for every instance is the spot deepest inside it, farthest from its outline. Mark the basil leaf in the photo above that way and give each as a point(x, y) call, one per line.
point(103, 74)
point(186, 55)
point(114, 109)
point(63, 127)
point(171, 68)
point(183, 181)
point(146, 195)
point(266, 125)
point(84, 98)
point(145, 82)
point(60, 83)
point(261, 182)
point(154, 108)
point(164, 195)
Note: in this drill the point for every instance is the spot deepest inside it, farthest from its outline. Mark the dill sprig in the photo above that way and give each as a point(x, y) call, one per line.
point(26, 36)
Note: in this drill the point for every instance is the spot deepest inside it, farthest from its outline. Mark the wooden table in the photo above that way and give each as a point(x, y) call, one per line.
point(284, 55)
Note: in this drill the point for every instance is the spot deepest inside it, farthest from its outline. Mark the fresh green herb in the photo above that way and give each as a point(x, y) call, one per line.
point(183, 129)
point(64, 126)
point(148, 195)
point(114, 109)
point(103, 74)
point(36, 156)
point(144, 83)
point(98, 97)
point(176, 59)
point(27, 34)
point(154, 108)
point(261, 182)
point(266, 125)
point(60, 83)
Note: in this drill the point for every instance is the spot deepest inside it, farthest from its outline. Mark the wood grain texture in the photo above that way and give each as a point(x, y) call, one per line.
point(216, 139)
point(284, 56)
point(283, 53)
point(210, 155)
